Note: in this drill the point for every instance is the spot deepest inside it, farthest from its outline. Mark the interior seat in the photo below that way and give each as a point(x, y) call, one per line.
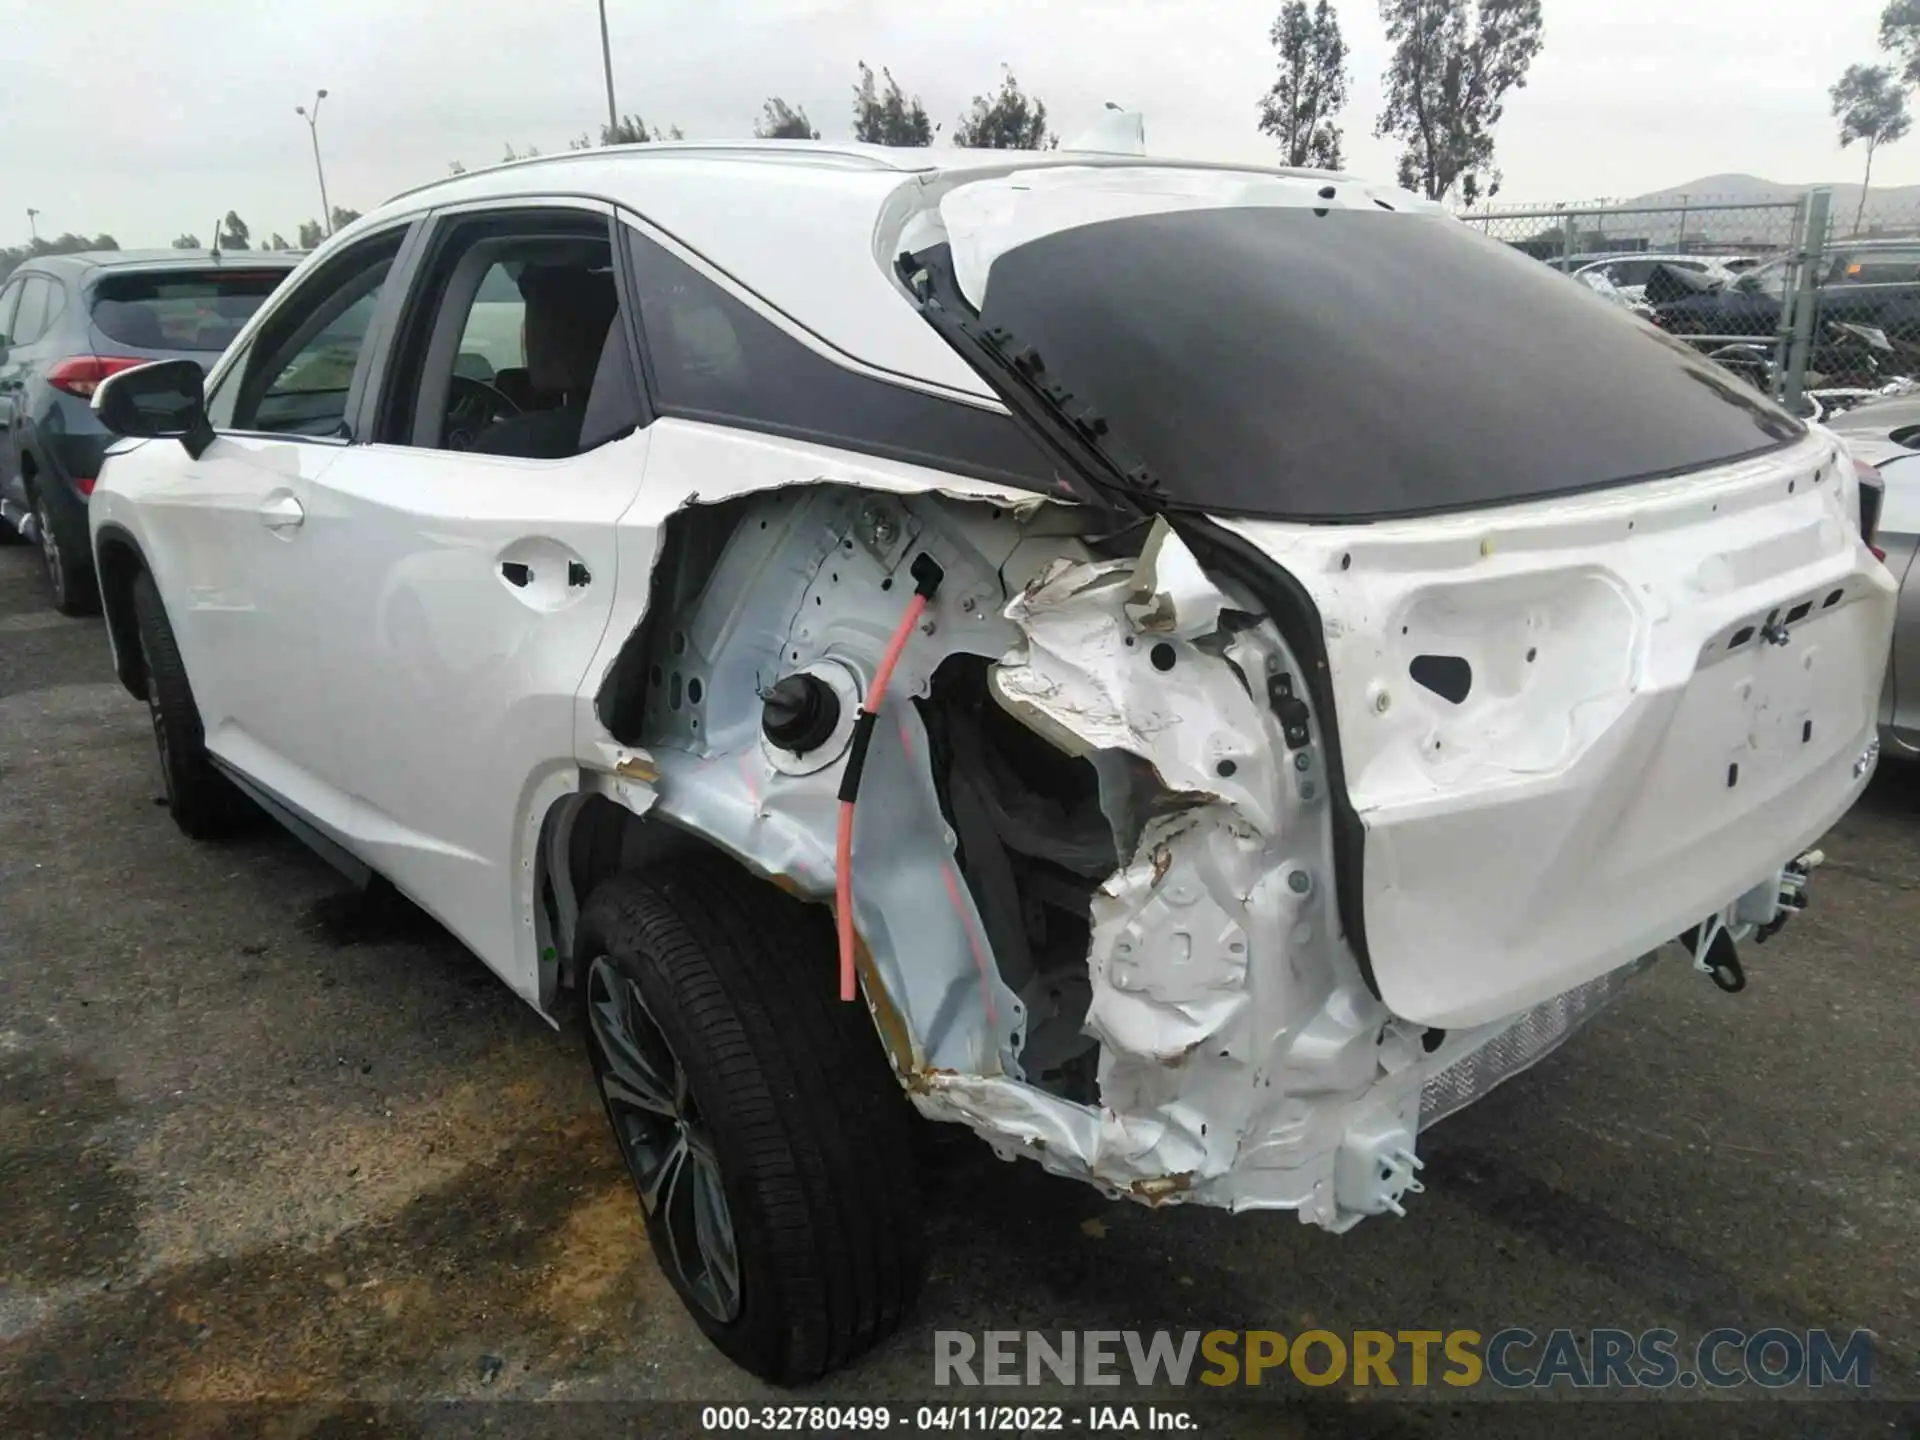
point(569, 312)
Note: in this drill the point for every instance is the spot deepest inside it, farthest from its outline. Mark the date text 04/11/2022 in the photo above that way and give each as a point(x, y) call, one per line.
point(1013, 1419)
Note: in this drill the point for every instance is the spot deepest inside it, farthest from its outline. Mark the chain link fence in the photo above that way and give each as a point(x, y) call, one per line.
point(1814, 301)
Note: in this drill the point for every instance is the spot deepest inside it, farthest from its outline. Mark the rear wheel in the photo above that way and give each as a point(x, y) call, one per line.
point(757, 1115)
point(204, 802)
point(68, 574)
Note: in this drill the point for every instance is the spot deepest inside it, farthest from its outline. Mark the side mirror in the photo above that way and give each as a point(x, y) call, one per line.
point(164, 400)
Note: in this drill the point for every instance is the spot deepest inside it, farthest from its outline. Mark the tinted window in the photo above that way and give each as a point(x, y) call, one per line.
point(180, 310)
point(713, 358)
point(1347, 364)
point(296, 373)
point(39, 300)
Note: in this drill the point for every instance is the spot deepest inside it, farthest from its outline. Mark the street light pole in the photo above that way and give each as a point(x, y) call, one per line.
point(33, 225)
point(313, 129)
point(606, 62)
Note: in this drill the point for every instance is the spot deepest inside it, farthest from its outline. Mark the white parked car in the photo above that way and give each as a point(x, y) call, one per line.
point(1625, 276)
point(1154, 635)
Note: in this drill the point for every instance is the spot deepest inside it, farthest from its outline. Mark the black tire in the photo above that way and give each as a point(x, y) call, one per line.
point(204, 802)
point(788, 1096)
point(68, 565)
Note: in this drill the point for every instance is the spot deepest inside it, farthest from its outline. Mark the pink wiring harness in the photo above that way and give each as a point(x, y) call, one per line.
point(927, 576)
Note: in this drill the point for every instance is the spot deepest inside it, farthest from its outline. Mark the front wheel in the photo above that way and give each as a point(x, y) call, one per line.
point(756, 1114)
point(69, 575)
point(205, 804)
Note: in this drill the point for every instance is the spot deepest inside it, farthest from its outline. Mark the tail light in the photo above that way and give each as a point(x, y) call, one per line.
point(81, 374)
point(1873, 491)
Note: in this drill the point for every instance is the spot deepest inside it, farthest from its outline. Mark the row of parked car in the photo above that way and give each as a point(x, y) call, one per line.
point(66, 323)
point(1865, 337)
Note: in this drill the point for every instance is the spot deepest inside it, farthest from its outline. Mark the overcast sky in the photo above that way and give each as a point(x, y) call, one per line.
point(144, 118)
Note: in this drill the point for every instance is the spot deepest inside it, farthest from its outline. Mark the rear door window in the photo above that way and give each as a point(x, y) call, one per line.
point(9, 305)
point(39, 302)
point(179, 310)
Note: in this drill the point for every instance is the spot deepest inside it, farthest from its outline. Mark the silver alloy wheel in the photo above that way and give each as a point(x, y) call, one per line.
point(665, 1142)
point(158, 716)
point(50, 549)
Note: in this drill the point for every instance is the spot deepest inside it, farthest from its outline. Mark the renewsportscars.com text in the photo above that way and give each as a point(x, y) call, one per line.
point(1510, 1358)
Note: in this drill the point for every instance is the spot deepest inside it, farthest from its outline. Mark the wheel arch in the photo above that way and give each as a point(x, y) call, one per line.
point(118, 561)
point(586, 836)
point(609, 827)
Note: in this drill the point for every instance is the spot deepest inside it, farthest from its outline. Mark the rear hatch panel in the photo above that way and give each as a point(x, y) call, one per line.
point(1672, 688)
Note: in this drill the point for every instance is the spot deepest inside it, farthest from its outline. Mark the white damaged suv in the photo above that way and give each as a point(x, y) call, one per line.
point(1221, 665)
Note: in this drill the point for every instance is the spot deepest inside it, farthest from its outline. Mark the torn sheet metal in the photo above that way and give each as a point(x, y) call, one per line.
point(1240, 1061)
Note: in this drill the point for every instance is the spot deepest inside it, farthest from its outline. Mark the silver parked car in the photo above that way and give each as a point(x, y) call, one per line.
point(1886, 435)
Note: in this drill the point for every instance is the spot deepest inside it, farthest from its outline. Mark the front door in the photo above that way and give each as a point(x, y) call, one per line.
point(466, 561)
point(230, 537)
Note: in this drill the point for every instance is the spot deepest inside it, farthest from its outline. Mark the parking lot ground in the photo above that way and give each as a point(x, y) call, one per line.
point(261, 1137)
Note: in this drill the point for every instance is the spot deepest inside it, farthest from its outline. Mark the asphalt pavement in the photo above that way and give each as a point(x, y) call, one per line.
point(263, 1138)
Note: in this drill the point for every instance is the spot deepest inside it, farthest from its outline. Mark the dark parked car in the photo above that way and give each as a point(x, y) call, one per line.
point(1868, 282)
point(66, 323)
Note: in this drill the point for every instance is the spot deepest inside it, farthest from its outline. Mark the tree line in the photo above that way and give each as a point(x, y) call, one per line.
point(883, 114)
point(1453, 64)
point(233, 233)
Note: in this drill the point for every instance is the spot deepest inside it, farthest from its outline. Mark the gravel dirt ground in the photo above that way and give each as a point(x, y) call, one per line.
point(261, 1137)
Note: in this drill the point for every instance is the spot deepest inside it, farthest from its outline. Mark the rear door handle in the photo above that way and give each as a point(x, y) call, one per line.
point(282, 512)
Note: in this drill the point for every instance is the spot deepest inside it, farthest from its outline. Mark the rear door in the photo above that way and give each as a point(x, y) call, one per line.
point(462, 564)
point(41, 298)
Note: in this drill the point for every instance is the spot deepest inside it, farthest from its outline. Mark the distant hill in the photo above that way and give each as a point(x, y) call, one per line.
point(1889, 206)
point(1890, 211)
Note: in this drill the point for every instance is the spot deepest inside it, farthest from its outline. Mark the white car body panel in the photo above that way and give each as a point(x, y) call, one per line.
point(985, 218)
point(449, 691)
point(220, 537)
point(1522, 849)
point(1506, 860)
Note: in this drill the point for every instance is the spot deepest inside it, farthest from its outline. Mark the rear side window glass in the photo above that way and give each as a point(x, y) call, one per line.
point(189, 310)
point(39, 303)
point(714, 358)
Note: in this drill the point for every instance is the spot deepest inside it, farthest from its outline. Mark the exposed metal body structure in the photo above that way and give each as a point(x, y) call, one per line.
point(1157, 885)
